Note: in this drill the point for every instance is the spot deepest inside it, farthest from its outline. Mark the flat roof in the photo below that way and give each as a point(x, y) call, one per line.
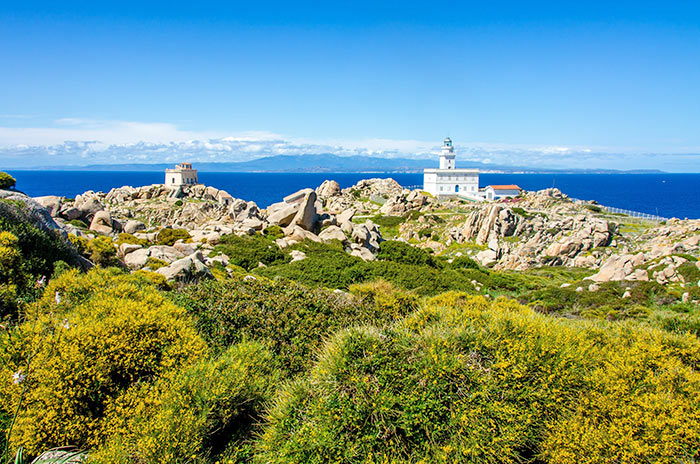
point(504, 187)
point(435, 170)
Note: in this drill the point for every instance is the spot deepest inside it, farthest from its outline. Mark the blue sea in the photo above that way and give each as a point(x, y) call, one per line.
point(668, 195)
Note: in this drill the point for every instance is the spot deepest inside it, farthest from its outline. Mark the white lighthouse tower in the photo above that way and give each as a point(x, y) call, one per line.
point(448, 181)
point(447, 155)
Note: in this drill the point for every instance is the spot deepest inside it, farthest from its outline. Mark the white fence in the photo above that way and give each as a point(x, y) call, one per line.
point(634, 214)
point(626, 214)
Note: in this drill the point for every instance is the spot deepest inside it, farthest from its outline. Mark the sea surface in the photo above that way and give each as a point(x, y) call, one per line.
point(667, 195)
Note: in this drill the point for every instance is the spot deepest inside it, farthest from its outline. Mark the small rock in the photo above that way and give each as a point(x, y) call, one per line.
point(132, 226)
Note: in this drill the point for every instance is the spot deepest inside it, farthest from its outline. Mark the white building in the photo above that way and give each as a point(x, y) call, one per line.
point(496, 192)
point(450, 181)
point(183, 174)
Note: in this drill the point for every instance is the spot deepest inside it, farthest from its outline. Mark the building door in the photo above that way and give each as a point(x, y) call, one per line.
point(457, 188)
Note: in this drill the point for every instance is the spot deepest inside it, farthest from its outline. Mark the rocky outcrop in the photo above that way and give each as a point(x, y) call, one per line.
point(102, 223)
point(403, 202)
point(490, 223)
point(187, 270)
point(137, 259)
point(37, 214)
point(328, 189)
point(306, 216)
point(332, 233)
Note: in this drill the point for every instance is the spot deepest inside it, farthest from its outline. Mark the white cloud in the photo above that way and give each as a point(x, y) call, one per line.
point(72, 141)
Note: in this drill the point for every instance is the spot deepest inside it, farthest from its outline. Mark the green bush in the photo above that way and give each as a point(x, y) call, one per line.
point(78, 223)
point(388, 221)
point(387, 299)
point(178, 203)
point(39, 248)
point(288, 318)
point(482, 382)
point(103, 252)
point(690, 272)
point(423, 233)
point(208, 412)
point(606, 302)
point(401, 252)
point(249, 250)
point(274, 232)
point(464, 262)
point(155, 263)
point(329, 266)
point(593, 208)
point(170, 236)
point(131, 239)
point(389, 225)
point(6, 181)
point(14, 281)
point(96, 342)
point(520, 211)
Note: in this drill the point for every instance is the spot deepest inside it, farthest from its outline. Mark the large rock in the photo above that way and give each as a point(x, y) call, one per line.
point(329, 188)
point(126, 248)
point(299, 196)
point(360, 233)
point(615, 268)
point(188, 269)
point(284, 215)
point(165, 253)
point(51, 203)
point(332, 233)
point(298, 234)
point(345, 216)
point(136, 259)
point(306, 216)
point(487, 257)
point(362, 253)
point(89, 207)
point(70, 213)
point(39, 216)
point(103, 223)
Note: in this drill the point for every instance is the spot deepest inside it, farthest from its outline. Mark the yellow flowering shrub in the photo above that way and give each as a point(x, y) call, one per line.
point(102, 251)
point(86, 355)
point(206, 412)
point(386, 298)
point(491, 382)
point(11, 274)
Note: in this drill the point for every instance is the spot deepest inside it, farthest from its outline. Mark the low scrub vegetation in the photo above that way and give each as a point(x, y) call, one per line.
point(411, 358)
point(6, 181)
point(170, 236)
point(251, 250)
point(289, 318)
point(481, 382)
point(86, 355)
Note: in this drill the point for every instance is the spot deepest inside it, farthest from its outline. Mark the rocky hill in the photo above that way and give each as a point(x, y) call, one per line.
point(543, 228)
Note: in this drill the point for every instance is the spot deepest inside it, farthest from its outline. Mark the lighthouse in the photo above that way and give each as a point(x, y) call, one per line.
point(447, 155)
point(448, 181)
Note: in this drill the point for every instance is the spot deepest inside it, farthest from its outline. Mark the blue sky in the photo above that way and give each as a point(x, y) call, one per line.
point(555, 84)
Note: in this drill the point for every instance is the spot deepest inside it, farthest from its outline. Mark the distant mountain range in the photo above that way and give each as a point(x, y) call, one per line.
point(331, 163)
